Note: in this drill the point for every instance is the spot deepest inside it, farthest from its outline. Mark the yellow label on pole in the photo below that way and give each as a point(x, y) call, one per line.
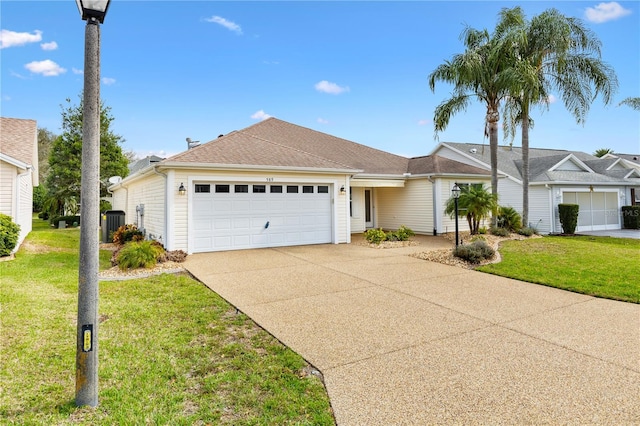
point(87, 341)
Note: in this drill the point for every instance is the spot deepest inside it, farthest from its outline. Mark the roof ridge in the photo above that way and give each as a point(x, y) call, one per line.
point(289, 147)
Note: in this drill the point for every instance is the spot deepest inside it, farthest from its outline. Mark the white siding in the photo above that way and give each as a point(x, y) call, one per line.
point(510, 194)
point(16, 197)
point(411, 206)
point(150, 192)
point(8, 174)
point(454, 155)
point(540, 214)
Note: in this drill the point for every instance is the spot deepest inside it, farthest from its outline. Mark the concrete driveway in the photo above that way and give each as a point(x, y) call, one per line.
point(406, 341)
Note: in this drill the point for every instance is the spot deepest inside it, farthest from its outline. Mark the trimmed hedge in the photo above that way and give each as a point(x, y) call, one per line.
point(9, 233)
point(568, 217)
point(631, 217)
point(475, 252)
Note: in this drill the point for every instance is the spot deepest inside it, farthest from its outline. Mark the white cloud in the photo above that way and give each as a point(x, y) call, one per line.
point(108, 81)
point(231, 26)
point(260, 115)
point(424, 122)
point(12, 38)
point(6, 98)
point(49, 46)
point(332, 88)
point(322, 120)
point(48, 68)
point(77, 71)
point(605, 12)
point(552, 99)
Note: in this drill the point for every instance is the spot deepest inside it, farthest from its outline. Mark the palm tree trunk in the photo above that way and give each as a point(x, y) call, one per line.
point(525, 165)
point(493, 116)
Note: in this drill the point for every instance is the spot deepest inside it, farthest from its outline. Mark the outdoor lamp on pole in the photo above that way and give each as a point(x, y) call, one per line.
point(455, 191)
point(92, 11)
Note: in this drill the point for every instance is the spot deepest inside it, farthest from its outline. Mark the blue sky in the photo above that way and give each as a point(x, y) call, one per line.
point(356, 70)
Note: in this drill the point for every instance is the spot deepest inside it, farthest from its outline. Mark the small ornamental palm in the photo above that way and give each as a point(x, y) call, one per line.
point(475, 203)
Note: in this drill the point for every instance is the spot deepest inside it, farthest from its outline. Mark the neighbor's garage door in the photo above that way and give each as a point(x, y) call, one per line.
point(598, 210)
point(241, 216)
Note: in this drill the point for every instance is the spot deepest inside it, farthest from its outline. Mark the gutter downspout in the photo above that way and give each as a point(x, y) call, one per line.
point(434, 204)
point(166, 207)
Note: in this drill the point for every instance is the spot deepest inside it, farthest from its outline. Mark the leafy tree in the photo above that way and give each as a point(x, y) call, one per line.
point(602, 152)
point(475, 203)
point(45, 142)
point(483, 72)
point(63, 181)
point(631, 102)
point(553, 53)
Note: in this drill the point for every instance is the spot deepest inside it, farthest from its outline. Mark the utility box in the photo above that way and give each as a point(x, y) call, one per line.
point(110, 221)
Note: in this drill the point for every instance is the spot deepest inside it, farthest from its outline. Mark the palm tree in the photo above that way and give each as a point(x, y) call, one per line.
point(632, 102)
point(554, 53)
point(601, 152)
point(483, 72)
point(475, 203)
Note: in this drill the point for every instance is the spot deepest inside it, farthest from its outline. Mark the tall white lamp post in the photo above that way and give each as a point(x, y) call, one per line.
point(92, 11)
point(455, 191)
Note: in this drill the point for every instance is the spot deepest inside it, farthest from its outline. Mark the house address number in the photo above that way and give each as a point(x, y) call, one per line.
point(269, 179)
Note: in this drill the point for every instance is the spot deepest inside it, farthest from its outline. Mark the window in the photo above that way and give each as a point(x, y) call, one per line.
point(203, 188)
point(241, 188)
point(259, 189)
point(222, 189)
point(292, 189)
point(307, 189)
point(276, 189)
point(323, 189)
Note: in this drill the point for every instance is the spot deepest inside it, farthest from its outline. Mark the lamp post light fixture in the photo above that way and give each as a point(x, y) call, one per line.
point(455, 191)
point(182, 190)
point(92, 11)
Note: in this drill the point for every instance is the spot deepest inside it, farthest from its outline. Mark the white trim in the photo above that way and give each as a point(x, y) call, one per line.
point(14, 162)
point(575, 160)
point(170, 209)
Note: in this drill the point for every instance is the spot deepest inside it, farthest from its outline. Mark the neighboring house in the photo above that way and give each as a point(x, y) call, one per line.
point(600, 186)
point(279, 184)
point(18, 170)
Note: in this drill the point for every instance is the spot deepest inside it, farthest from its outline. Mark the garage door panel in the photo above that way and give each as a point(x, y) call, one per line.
point(229, 221)
point(598, 210)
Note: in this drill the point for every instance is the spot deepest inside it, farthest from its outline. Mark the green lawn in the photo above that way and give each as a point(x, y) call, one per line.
point(598, 266)
point(171, 351)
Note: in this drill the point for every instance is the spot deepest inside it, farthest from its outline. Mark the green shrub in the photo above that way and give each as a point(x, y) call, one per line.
point(631, 217)
point(70, 220)
point(105, 205)
point(43, 215)
point(482, 230)
point(9, 233)
point(499, 232)
point(139, 254)
point(568, 217)
point(126, 233)
point(509, 218)
point(375, 236)
point(526, 231)
point(475, 252)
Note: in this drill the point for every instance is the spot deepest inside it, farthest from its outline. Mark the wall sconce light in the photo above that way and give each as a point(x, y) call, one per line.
point(182, 190)
point(342, 190)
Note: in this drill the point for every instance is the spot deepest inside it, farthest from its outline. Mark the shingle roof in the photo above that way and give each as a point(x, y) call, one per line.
point(435, 164)
point(17, 139)
point(143, 163)
point(540, 161)
point(274, 142)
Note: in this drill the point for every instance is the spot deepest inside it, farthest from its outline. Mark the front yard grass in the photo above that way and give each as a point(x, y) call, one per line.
point(598, 266)
point(171, 351)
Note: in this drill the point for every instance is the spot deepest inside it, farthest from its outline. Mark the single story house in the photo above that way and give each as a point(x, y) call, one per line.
point(278, 184)
point(600, 186)
point(18, 171)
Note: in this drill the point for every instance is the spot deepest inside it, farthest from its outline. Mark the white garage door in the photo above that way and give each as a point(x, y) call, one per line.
point(232, 216)
point(598, 210)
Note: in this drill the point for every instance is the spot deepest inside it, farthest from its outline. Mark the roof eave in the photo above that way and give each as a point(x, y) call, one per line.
point(253, 167)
